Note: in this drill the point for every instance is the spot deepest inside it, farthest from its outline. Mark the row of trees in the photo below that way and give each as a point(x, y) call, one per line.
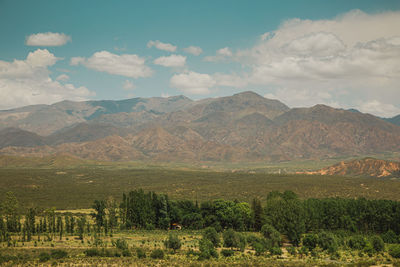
point(288, 214)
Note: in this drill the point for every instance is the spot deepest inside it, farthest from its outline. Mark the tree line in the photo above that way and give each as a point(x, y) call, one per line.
point(284, 211)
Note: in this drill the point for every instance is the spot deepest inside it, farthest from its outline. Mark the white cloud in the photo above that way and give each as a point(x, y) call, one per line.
point(193, 83)
point(76, 61)
point(27, 82)
point(378, 108)
point(220, 55)
point(165, 95)
point(171, 61)
point(353, 57)
point(128, 65)
point(162, 46)
point(47, 39)
point(62, 77)
point(128, 85)
point(194, 50)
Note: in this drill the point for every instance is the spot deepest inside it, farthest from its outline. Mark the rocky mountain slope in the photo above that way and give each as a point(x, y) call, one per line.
point(242, 127)
point(362, 167)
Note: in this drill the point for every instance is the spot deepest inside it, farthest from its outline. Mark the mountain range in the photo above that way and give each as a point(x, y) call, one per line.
point(242, 127)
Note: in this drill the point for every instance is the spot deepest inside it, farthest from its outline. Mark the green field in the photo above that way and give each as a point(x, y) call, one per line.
point(78, 187)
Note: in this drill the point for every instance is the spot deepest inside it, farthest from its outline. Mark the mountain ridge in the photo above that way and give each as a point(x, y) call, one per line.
point(241, 127)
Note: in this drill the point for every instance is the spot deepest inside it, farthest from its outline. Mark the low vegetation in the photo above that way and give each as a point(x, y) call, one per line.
point(77, 188)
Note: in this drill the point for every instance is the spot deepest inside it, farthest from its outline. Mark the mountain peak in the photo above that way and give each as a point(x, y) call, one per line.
point(248, 94)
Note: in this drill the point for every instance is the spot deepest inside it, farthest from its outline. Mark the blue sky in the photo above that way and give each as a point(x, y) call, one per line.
point(340, 53)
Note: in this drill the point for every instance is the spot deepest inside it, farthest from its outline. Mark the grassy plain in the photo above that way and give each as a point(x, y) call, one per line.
point(78, 187)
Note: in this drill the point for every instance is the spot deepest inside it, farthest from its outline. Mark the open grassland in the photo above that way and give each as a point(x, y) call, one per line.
point(78, 187)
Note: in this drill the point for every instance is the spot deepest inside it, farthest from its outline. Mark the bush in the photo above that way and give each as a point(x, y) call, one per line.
point(275, 251)
point(173, 242)
point(207, 249)
point(390, 237)
point(149, 226)
point(394, 251)
point(259, 248)
point(227, 252)
point(234, 240)
point(269, 232)
point(377, 243)
point(327, 241)
point(157, 254)
point(44, 256)
point(58, 254)
point(120, 244)
point(230, 238)
point(310, 241)
point(211, 234)
point(140, 253)
point(126, 253)
point(369, 249)
point(357, 242)
point(92, 252)
point(291, 250)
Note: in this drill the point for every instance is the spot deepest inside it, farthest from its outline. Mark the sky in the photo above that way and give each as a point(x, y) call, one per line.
point(344, 54)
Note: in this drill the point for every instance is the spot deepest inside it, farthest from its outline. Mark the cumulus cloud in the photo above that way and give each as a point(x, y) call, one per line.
point(162, 46)
point(347, 61)
point(128, 65)
point(47, 39)
point(171, 61)
point(193, 83)
point(128, 85)
point(220, 55)
point(27, 82)
point(194, 50)
point(62, 77)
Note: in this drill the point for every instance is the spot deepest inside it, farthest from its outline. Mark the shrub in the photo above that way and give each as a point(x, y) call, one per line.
point(259, 248)
point(92, 252)
point(227, 252)
point(58, 254)
point(44, 256)
point(394, 251)
point(269, 232)
point(327, 241)
point(310, 241)
point(173, 242)
point(357, 242)
point(157, 254)
point(207, 249)
point(149, 226)
point(230, 238)
point(377, 243)
point(120, 244)
point(369, 249)
point(275, 251)
point(211, 234)
point(234, 240)
point(291, 250)
point(390, 237)
point(126, 253)
point(140, 253)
